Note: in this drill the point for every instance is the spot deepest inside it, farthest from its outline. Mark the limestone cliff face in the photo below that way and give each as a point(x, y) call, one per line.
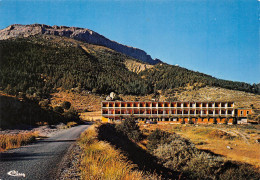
point(80, 34)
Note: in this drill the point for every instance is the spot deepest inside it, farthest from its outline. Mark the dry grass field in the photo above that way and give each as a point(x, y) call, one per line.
point(241, 99)
point(10, 141)
point(237, 143)
point(80, 101)
point(91, 116)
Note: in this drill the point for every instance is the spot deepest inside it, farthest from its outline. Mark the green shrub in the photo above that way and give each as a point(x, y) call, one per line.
point(156, 138)
point(203, 166)
point(44, 103)
point(176, 152)
point(58, 109)
point(130, 128)
point(215, 121)
point(71, 115)
point(190, 121)
point(182, 121)
point(66, 105)
point(226, 121)
point(234, 120)
point(241, 171)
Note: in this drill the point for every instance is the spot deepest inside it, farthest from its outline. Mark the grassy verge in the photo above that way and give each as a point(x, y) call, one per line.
point(8, 141)
point(100, 160)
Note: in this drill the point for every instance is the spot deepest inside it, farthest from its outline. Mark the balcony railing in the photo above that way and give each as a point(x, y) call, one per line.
point(193, 115)
point(217, 108)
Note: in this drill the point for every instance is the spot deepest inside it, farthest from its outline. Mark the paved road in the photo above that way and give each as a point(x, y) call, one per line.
point(40, 160)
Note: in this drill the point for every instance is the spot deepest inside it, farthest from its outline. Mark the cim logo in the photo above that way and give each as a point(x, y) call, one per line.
point(15, 173)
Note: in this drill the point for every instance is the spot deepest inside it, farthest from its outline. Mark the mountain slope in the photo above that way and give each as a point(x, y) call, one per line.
point(80, 34)
point(40, 64)
point(165, 76)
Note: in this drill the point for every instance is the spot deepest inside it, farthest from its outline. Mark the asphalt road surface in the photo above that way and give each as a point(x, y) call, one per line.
point(41, 160)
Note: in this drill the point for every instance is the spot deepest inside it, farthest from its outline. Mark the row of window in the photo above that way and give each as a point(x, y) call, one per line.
point(164, 104)
point(161, 112)
point(242, 112)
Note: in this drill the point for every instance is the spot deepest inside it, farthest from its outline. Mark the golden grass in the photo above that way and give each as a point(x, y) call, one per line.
point(216, 139)
point(91, 116)
point(71, 124)
point(79, 101)
point(99, 160)
point(10, 141)
point(241, 99)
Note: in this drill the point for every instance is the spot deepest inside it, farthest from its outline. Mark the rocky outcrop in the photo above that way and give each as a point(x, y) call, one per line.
point(80, 34)
point(136, 66)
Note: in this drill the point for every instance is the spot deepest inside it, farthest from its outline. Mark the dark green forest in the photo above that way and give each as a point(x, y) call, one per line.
point(38, 66)
point(165, 76)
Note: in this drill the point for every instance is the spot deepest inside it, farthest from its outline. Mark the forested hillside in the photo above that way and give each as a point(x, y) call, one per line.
point(165, 76)
point(38, 65)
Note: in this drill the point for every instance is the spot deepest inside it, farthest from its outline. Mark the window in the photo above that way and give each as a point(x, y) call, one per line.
point(241, 112)
point(247, 112)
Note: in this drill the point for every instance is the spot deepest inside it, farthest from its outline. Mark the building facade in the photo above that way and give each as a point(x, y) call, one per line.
point(242, 115)
point(173, 112)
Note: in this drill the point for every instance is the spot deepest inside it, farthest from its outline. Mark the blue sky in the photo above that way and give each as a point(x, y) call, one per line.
point(216, 37)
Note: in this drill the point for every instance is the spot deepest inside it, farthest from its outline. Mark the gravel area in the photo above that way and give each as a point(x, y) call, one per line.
point(70, 166)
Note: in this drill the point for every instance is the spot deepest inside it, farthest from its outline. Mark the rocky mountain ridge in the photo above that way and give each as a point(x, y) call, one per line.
point(81, 34)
